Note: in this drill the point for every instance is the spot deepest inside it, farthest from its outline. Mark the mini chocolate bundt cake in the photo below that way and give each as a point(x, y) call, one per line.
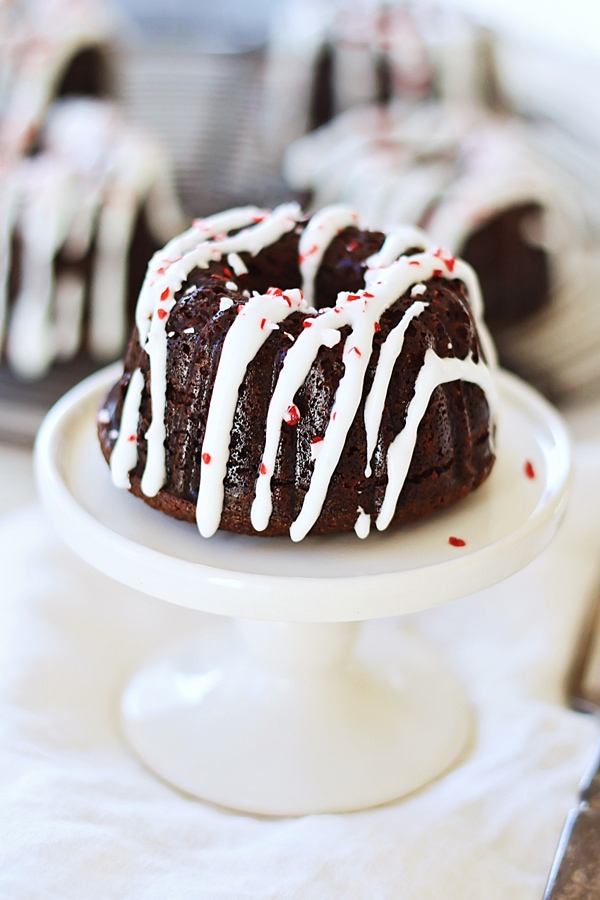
point(291, 376)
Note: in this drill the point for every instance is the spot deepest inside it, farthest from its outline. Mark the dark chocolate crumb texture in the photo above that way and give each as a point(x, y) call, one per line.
point(292, 376)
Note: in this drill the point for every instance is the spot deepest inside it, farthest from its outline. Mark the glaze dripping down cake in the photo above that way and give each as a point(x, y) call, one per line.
point(292, 376)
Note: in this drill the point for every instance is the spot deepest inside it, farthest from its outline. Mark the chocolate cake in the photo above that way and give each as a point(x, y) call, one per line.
point(294, 375)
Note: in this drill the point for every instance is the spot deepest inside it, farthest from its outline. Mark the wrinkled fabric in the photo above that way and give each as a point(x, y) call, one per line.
point(80, 816)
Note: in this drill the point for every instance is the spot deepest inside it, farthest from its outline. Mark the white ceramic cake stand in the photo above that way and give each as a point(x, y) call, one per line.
point(290, 714)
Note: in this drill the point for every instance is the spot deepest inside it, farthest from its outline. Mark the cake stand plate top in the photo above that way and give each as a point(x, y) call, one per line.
point(504, 525)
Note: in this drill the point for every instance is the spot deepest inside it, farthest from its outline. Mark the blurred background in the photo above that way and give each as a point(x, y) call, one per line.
point(122, 121)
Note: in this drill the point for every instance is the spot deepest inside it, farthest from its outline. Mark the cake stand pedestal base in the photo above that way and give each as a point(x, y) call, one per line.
point(302, 709)
point(295, 718)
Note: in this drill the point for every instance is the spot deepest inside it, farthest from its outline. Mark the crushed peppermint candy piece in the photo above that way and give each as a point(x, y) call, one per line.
point(225, 303)
point(190, 290)
point(446, 258)
point(292, 415)
point(188, 330)
point(103, 416)
point(290, 336)
point(113, 434)
point(237, 264)
point(231, 285)
point(311, 250)
point(417, 290)
point(170, 334)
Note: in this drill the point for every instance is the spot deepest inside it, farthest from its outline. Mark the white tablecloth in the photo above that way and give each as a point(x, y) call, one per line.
point(80, 817)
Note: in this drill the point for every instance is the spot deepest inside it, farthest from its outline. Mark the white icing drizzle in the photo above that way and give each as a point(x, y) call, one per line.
point(316, 238)
point(396, 243)
point(124, 455)
point(361, 312)
point(375, 402)
point(237, 264)
point(362, 526)
point(242, 342)
point(435, 371)
point(166, 273)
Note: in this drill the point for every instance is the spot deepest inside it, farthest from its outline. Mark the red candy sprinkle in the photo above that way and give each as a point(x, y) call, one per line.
point(131, 437)
point(306, 324)
point(414, 262)
point(377, 326)
point(351, 246)
point(206, 457)
point(366, 294)
point(258, 218)
point(456, 542)
point(162, 313)
point(446, 257)
point(292, 415)
point(228, 273)
point(263, 322)
point(263, 469)
point(355, 350)
point(352, 297)
point(529, 470)
point(317, 440)
point(240, 307)
point(437, 273)
point(309, 252)
point(165, 294)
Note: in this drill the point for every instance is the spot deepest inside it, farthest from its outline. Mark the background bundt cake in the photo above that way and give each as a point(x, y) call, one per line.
point(85, 195)
point(489, 188)
point(302, 376)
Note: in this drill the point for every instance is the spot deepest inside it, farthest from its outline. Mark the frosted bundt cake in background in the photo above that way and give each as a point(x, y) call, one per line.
point(483, 185)
point(78, 220)
point(324, 58)
point(86, 196)
point(302, 376)
point(403, 110)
